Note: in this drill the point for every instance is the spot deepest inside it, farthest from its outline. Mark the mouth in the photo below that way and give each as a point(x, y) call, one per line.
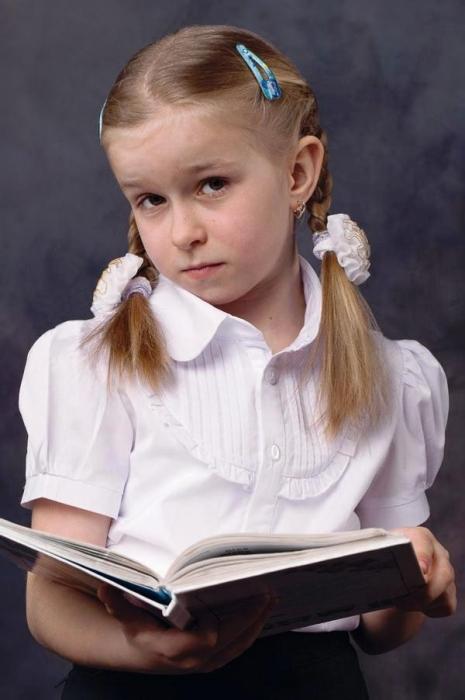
point(199, 266)
point(202, 270)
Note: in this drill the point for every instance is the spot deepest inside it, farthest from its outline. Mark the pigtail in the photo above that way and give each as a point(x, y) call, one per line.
point(354, 383)
point(176, 70)
point(131, 338)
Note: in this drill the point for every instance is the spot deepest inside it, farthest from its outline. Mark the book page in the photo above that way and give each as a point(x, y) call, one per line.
point(234, 567)
point(247, 543)
point(88, 555)
point(316, 592)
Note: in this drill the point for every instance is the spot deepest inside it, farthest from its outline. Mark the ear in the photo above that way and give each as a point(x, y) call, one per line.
point(304, 169)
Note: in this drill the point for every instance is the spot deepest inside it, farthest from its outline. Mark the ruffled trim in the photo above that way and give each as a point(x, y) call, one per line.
point(227, 470)
point(293, 488)
point(298, 488)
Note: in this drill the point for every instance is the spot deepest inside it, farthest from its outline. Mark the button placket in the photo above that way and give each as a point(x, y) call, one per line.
point(262, 503)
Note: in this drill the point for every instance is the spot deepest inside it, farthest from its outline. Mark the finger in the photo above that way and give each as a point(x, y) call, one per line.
point(440, 578)
point(211, 633)
point(423, 545)
point(136, 602)
point(128, 614)
point(445, 605)
point(104, 594)
point(438, 597)
point(440, 561)
point(241, 643)
point(114, 601)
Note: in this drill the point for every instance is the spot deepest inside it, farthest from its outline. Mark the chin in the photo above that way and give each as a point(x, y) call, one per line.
point(216, 296)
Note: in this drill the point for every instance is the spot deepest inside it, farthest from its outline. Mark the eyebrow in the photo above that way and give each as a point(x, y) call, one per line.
point(191, 169)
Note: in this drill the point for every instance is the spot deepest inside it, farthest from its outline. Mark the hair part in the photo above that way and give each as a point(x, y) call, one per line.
point(188, 68)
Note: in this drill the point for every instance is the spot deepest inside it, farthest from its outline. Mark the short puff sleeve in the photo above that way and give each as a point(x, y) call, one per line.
point(79, 435)
point(396, 497)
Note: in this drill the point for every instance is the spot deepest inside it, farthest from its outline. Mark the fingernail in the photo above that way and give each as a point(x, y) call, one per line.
point(424, 566)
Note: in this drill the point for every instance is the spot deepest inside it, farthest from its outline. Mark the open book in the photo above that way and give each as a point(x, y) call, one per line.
point(316, 577)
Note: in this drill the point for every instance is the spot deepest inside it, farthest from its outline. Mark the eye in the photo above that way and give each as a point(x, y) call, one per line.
point(215, 183)
point(150, 201)
point(217, 186)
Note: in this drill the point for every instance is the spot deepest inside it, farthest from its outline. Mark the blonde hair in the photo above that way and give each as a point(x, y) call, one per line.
point(189, 67)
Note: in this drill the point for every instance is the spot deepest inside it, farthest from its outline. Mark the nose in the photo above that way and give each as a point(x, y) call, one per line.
point(188, 228)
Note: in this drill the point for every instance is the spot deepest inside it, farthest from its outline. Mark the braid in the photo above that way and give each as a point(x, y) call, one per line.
point(345, 344)
point(137, 248)
point(320, 201)
point(132, 336)
point(351, 376)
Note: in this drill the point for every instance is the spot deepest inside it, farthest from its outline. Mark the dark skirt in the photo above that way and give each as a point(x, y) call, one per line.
point(292, 665)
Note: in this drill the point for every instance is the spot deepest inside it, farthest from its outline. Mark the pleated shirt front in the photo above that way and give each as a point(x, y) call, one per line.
point(233, 443)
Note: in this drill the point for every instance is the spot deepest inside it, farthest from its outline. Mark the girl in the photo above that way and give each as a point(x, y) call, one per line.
point(221, 388)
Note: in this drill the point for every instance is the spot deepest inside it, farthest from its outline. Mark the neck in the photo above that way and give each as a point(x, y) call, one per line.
point(277, 309)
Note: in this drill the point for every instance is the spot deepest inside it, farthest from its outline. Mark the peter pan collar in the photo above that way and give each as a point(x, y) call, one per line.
point(189, 323)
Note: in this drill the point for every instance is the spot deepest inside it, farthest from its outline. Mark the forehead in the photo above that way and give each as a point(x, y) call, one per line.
point(179, 139)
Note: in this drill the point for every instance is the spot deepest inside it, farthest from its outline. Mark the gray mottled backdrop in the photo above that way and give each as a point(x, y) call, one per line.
point(389, 78)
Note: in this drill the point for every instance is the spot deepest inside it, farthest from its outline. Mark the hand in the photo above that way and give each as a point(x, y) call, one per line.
point(439, 597)
point(210, 645)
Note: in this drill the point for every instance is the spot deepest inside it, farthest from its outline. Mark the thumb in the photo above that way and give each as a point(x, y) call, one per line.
point(423, 546)
point(118, 604)
point(112, 600)
point(425, 565)
point(424, 552)
point(133, 619)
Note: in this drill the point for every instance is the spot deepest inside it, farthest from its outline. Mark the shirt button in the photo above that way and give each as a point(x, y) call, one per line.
point(271, 376)
point(275, 453)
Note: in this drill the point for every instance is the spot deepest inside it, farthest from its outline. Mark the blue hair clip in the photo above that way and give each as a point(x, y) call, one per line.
point(100, 121)
point(269, 85)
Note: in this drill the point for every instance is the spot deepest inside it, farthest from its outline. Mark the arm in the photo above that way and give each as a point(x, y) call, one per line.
point(383, 630)
point(117, 635)
point(54, 609)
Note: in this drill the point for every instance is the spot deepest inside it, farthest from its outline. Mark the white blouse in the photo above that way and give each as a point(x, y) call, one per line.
point(232, 444)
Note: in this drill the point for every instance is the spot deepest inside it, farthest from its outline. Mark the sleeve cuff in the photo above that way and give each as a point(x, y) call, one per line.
point(72, 493)
point(390, 516)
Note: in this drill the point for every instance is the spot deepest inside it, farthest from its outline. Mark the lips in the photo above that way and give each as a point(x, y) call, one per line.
point(200, 266)
point(202, 271)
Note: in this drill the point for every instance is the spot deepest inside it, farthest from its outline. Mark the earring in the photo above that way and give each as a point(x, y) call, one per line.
point(299, 212)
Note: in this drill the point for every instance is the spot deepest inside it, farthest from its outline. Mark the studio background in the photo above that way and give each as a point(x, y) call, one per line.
point(389, 81)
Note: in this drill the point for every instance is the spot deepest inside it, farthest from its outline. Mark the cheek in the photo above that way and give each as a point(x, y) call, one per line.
point(150, 240)
point(254, 237)
point(242, 227)
point(260, 217)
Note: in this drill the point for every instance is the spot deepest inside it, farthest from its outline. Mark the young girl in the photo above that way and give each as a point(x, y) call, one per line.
point(221, 388)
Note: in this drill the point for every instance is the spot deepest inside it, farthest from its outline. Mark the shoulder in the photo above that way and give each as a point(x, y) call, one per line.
point(418, 370)
point(59, 365)
point(80, 434)
point(68, 334)
point(62, 344)
point(413, 442)
point(422, 406)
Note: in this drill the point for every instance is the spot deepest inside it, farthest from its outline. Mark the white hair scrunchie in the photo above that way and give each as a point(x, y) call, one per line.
point(112, 284)
point(345, 238)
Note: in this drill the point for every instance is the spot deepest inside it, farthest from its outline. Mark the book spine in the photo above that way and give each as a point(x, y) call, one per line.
point(177, 614)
